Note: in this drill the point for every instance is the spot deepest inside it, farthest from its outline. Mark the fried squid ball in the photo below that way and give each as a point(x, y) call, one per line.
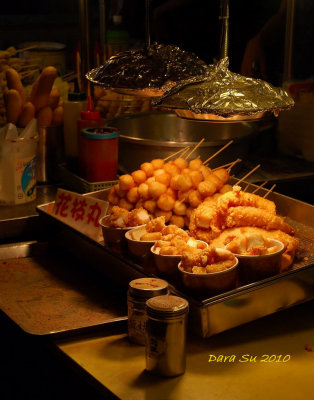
point(163, 178)
point(123, 203)
point(159, 171)
point(157, 163)
point(139, 176)
point(206, 188)
point(179, 208)
point(156, 189)
point(195, 164)
point(166, 214)
point(194, 198)
point(222, 174)
point(196, 178)
point(150, 180)
point(165, 202)
point(181, 182)
point(126, 182)
point(183, 196)
point(139, 204)
point(150, 205)
point(172, 193)
point(171, 168)
point(205, 171)
point(147, 168)
point(132, 195)
point(215, 180)
point(177, 220)
point(143, 191)
point(181, 163)
point(118, 191)
point(186, 171)
point(189, 211)
point(226, 188)
point(112, 197)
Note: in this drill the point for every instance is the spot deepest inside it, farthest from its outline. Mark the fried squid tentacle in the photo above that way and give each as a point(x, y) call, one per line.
point(252, 216)
point(240, 198)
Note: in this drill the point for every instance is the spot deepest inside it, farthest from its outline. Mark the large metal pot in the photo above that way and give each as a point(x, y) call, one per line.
point(156, 135)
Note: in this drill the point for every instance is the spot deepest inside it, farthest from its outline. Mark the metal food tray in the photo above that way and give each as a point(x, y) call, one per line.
point(46, 292)
point(230, 309)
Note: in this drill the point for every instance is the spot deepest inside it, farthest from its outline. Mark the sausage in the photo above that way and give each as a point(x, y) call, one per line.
point(40, 97)
point(57, 116)
point(44, 116)
point(27, 114)
point(14, 82)
point(54, 97)
point(13, 105)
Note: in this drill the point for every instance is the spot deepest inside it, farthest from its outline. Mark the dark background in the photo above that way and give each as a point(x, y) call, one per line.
point(191, 24)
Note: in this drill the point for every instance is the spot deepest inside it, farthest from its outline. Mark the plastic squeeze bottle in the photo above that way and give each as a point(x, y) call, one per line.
point(89, 118)
point(77, 101)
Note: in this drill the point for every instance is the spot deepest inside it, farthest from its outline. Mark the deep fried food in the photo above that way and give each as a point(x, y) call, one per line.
point(165, 202)
point(252, 216)
point(222, 174)
point(239, 198)
point(208, 260)
point(156, 224)
point(290, 243)
point(139, 176)
point(121, 218)
point(126, 182)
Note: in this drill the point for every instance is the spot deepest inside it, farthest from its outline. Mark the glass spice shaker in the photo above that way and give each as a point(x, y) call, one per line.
point(166, 335)
point(140, 290)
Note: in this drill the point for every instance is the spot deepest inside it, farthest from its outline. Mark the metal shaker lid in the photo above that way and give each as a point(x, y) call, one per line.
point(167, 306)
point(148, 287)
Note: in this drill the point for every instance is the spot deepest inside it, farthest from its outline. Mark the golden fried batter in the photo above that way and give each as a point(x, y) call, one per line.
point(252, 216)
point(239, 198)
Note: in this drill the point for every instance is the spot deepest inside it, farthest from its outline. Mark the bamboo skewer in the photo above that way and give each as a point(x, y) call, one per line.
point(246, 187)
point(217, 152)
point(176, 153)
point(233, 164)
point(260, 186)
point(248, 174)
point(195, 148)
point(26, 48)
point(269, 191)
point(227, 165)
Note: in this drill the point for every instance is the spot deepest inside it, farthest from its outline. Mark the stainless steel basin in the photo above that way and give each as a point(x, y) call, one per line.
point(157, 135)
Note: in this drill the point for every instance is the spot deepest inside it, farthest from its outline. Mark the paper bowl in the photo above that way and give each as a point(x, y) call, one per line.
point(204, 285)
point(112, 236)
point(255, 268)
point(139, 248)
point(167, 265)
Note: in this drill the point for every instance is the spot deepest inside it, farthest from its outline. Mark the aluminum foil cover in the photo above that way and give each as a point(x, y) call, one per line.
point(225, 93)
point(139, 69)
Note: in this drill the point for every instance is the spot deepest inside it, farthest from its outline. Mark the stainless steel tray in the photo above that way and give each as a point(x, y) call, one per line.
point(46, 292)
point(244, 304)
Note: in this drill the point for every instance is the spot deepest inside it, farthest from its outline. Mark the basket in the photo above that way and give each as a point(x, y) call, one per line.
point(80, 185)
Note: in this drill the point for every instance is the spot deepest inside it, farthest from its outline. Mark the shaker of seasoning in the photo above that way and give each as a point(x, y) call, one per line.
point(140, 290)
point(166, 335)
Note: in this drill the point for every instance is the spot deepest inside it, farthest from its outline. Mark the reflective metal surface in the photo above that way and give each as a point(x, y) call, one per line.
point(157, 135)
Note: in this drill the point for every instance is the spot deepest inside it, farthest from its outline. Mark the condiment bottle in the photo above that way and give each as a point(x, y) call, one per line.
point(98, 153)
point(77, 101)
point(140, 290)
point(166, 335)
point(89, 118)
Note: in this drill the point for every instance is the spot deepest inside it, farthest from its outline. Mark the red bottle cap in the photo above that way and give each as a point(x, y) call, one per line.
point(90, 113)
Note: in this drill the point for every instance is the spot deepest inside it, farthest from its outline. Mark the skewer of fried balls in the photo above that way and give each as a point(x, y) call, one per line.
point(170, 188)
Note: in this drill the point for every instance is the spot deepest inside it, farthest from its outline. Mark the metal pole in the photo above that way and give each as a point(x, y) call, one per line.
point(147, 25)
point(103, 28)
point(85, 41)
point(224, 35)
point(287, 70)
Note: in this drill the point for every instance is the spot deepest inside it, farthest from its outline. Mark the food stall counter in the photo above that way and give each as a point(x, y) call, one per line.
point(269, 358)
